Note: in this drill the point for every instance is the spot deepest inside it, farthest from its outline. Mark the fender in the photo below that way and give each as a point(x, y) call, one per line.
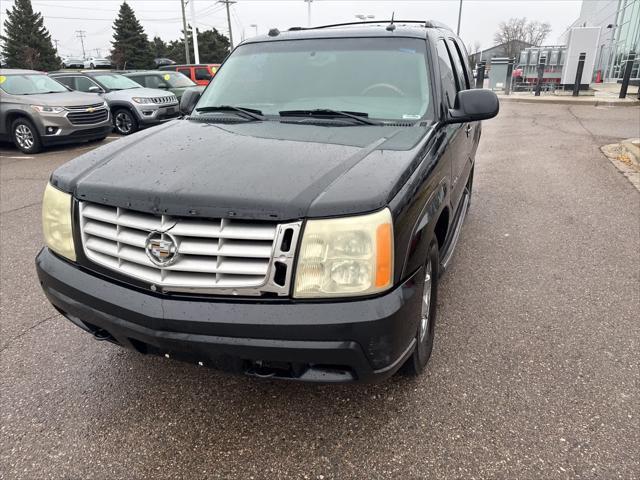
point(424, 229)
point(18, 112)
point(122, 104)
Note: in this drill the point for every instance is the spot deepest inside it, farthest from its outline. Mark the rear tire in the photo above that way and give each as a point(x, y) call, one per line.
point(124, 122)
point(416, 364)
point(25, 136)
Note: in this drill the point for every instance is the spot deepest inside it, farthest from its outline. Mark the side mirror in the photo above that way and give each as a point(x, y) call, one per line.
point(163, 86)
point(188, 101)
point(95, 89)
point(474, 105)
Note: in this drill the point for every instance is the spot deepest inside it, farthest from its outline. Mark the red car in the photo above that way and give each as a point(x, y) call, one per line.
point(200, 73)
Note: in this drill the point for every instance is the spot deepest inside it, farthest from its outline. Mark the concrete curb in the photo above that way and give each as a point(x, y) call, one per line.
point(571, 101)
point(624, 159)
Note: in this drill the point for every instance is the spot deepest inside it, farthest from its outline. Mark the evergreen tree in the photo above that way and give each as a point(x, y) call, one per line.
point(26, 42)
point(158, 47)
point(131, 47)
point(212, 45)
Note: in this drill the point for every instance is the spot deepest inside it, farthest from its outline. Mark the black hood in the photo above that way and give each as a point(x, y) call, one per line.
point(259, 170)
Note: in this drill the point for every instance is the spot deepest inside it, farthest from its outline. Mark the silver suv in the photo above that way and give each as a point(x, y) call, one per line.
point(132, 106)
point(36, 111)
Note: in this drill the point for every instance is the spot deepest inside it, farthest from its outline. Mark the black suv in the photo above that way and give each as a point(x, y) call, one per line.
point(295, 224)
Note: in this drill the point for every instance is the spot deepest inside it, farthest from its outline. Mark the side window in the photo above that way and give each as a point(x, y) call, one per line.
point(463, 82)
point(83, 84)
point(203, 74)
point(447, 77)
point(185, 71)
point(68, 81)
point(151, 81)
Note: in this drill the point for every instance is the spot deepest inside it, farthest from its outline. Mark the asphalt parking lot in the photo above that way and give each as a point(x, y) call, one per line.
point(535, 371)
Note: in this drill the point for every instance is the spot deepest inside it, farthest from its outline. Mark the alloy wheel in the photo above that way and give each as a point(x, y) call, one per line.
point(24, 136)
point(123, 123)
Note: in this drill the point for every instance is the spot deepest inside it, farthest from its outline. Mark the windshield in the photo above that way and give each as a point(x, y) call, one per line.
point(113, 81)
point(383, 77)
point(30, 84)
point(176, 79)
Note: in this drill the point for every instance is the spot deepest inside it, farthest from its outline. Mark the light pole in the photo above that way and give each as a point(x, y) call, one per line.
point(255, 26)
point(308, 2)
point(194, 30)
point(459, 18)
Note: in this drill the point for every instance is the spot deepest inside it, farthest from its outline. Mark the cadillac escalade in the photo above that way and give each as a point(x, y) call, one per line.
point(294, 223)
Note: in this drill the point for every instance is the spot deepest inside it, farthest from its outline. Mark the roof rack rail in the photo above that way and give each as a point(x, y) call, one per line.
point(426, 23)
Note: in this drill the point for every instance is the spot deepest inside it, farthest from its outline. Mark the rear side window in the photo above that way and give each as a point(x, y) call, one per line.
point(83, 84)
point(203, 74)
point(447, 77)
point(68, 81)
point(186, 71)
point(463, 83)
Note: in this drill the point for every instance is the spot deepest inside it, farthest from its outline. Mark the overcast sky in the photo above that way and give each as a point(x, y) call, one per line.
point(480, 18)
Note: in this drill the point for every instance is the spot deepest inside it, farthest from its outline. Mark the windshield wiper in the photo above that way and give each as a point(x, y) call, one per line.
point(328, 113)
point(246, 112)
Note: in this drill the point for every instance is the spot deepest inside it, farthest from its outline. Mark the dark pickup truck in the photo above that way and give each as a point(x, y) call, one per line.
point(294, 223)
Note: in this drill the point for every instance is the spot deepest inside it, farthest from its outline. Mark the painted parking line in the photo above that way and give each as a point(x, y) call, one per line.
point(18, 157)
point(113, 137)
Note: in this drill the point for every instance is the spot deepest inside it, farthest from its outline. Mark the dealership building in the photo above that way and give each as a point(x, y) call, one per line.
point(619, 22)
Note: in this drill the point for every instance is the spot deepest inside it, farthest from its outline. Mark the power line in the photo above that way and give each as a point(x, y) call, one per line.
point(81, 34)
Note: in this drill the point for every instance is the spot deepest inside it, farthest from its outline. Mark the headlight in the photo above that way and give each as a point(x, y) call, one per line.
point(142, 100)
point(56, 222)
point(46, 109)
point(346, 256)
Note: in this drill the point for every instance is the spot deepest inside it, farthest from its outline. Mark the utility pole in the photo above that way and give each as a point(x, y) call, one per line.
point(194, 29)
point(459, 18)
point(56, 42)
point(308, 2)
point(186, 33)
point(81, 34)
point(227, 3)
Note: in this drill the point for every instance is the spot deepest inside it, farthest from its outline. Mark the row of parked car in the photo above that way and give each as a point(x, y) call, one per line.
point(38, 110)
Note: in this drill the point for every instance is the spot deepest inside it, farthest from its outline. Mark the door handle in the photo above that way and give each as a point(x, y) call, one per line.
point(468, 130)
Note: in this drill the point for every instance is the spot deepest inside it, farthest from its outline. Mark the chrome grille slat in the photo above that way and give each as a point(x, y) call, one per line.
point(214, 255)
point(78, 117)
point(162, 100)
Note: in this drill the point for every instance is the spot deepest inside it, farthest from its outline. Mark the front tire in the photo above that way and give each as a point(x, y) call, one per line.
point(124, 121)
point(25, 136)
point(416, 364)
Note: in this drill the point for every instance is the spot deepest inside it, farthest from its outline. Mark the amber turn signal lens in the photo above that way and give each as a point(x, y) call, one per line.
point(384, 256)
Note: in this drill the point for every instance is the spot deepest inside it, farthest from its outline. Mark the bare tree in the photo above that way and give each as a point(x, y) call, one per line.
point(517, 30)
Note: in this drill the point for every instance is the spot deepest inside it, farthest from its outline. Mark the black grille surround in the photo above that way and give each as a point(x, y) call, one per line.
point(88, 117)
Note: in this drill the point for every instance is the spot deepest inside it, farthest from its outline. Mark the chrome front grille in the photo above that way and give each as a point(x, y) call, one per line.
point(217, 256)
point(162, 100)
point(88, 118)
point(83, 108)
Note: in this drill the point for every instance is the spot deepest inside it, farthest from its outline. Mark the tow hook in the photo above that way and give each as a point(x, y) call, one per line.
point(260, 370)
point(101, 335)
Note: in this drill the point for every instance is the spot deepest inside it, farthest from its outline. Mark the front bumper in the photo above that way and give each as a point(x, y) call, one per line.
point(342, 341)
point(58, 129)
point(150, 114)
point(79, 135)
